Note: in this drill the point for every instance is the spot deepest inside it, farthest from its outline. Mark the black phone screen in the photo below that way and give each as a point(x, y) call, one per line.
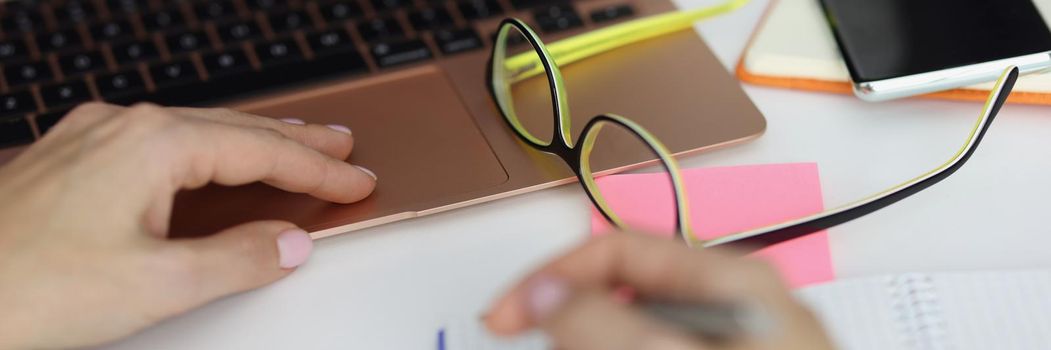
point(883, 39)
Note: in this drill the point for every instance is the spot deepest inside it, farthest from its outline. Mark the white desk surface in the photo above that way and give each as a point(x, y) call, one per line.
point(390, 287)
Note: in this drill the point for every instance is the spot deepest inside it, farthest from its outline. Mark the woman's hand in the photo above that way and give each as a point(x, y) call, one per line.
point(572, 298)
point(85, 211)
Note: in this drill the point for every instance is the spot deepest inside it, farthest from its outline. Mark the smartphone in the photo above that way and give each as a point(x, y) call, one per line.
point(899, 48)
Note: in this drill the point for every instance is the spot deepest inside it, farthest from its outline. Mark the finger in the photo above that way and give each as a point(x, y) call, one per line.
point(232, 155)
point(335, 141)
point(653, 267)
point(241, 258)
point(592, 320)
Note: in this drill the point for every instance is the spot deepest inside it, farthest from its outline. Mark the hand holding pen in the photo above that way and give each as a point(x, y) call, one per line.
point(574, 300)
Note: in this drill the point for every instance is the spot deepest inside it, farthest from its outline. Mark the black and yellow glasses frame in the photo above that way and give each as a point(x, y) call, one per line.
point(576, 155)
point(504, 71)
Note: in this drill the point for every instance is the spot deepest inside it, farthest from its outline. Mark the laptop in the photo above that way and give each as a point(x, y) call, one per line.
point(407, 76)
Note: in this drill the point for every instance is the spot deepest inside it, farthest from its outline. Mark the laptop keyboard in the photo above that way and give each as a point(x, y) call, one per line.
point(56, 54)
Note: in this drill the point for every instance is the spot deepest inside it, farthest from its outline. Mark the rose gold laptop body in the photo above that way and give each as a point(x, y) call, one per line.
point(436, 141)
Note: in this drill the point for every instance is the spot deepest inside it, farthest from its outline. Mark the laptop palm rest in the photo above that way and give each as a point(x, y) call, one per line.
point(422, 149)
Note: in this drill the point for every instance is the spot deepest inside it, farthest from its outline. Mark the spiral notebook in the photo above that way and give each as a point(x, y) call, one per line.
point(959, 311)
point(966, 310)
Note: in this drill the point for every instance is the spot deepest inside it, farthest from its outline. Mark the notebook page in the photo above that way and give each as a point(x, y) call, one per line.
point(856, 313)
point(962, 310)
point(1007, 310)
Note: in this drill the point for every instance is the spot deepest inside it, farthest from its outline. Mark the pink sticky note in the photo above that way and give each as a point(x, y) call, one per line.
point(728, 200)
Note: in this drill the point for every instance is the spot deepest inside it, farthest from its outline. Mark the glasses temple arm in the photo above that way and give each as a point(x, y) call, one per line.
point(582, 46)
point(750, 241)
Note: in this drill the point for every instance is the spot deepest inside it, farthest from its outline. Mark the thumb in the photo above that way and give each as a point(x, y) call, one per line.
point(246, 257)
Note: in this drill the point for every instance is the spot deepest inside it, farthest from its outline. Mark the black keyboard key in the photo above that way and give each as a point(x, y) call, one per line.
point(392, 54)
point(126, 6)
point(330, 42)
point(238, 31)
point(112, 30)
point(380, 28)
point(390, 5)
point(525, 4)
point(15, 130)
point(341, 11)
point(21, 5)
point(455, 41)
point(263, 5)
point(21, 21)
point(46, 121)
point(81, 62)
point(288, 21)
point(227, 63)
point(556, 18)
point(75, 11)
point(431, 18)
point(119, 86)
point(65, 94)
point(612, 13)
point(163, 19)
point(278, 52)
point(186, 41)
point(174, 73)
point(13, 49)
point(16, 103)
point(59, 40)
point(288, 72)
point(479, 9)
point(134, 52)
point(215, 9)
point(25, 73)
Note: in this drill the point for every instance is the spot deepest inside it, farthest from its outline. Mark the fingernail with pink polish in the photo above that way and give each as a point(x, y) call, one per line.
point(294, 121)
point(293, 248)
point(368, 172)
point(545, 295)
point(339, 128)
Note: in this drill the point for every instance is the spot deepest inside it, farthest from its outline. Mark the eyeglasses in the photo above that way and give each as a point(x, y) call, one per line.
point(517, 75)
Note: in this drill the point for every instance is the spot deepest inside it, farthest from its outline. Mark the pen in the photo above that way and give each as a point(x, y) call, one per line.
point(712, 321)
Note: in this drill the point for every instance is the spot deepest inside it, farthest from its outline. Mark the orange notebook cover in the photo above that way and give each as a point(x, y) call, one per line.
point(792, 47)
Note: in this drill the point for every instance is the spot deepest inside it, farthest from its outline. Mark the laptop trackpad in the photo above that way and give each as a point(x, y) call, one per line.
point(410, 128)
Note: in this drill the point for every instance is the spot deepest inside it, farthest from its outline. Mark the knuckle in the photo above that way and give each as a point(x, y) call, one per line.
point(91, 108)
point(144, 108)
point(148, 121)
point(146, 112)
point(144, 105)
point(87, 113)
